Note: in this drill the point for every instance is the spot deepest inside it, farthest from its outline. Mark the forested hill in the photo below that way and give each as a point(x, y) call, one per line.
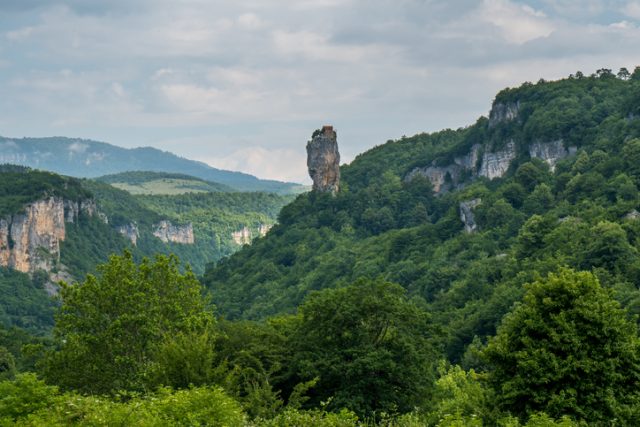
point(91, 159)
point(554, 172)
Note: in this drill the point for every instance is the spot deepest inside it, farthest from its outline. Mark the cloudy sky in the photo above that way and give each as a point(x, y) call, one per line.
point(241, 84)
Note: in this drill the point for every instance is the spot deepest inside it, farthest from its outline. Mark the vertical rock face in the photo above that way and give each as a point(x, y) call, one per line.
point(503, 112)
point(444, 178)
point(550, 152)
point(466, 214)
point(5, 249)
point(263, 229)
point(30, 241)
point(168, 232)
point(323, 160)
point(130, 231)
point(242, 237)
point(495, 165)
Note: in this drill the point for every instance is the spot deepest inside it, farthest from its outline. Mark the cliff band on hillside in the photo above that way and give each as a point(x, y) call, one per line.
point(30, 241)
point(168, 232)
point(492, 163)
point(323, 160)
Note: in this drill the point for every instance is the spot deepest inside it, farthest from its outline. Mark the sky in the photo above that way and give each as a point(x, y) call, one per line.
point(242, 84)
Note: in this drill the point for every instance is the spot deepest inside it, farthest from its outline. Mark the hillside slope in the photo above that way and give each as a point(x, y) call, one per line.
point(56, 228)
point(91, 159)
point(463, 218)
point(140, 182)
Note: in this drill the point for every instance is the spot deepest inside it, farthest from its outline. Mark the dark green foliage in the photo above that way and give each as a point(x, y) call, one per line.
point(568, 349)
point(7, 364)
point(24, 303)
point(19, 186)
point(371, 348)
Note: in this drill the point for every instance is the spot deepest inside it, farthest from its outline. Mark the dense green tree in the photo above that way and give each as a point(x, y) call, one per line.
point(370, 347)
point(115, 328)
point(568, 349)
point(7, 364)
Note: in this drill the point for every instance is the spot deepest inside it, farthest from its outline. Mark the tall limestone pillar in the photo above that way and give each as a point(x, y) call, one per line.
point(323, 160)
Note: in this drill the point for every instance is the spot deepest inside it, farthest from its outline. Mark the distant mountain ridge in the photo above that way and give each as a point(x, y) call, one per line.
point(90, 159)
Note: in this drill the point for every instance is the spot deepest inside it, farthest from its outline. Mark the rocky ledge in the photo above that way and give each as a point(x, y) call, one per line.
point(168, 232)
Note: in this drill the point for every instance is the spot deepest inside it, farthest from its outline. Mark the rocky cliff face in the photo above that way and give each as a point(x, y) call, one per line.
point(30, 241)
point(323, 161)
point(167, 232)
point(466, 214)
point(130, 231)
point(496, 164)
point(242, 237)
point(551, 152)
point(493, 165)
point(503, 112)
point(263, 229)
point(445, 178)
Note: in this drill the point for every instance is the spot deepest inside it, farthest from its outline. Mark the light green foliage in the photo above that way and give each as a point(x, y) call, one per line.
point(460, 396)
point(371, 348)
point(568, 349)
point(23, 396)
point(296, 418)
point(161, 183)
point(117, 327)
point(540, 420)
point(29, 402)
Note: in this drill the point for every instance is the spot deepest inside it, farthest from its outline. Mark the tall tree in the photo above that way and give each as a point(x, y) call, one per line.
point(567, 349)
point(369, 345)
point(116, 328)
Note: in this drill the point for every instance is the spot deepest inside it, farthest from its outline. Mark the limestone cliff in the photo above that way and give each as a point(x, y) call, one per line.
point(445, 178)
point(167, 232)
point(242, 236)
point(323, 160)
point(30, 240)
point(503, 112)
point(550, 152)
point(130, 231)
point(495, 164)
point(466, 214)
point(263, 229)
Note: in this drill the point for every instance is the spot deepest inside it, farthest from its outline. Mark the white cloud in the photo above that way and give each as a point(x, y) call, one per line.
point(518, 23)
point(632, 9)
point(268, 72)
point(280, 164)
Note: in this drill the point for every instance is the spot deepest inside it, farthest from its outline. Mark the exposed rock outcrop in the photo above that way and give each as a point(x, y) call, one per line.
point(323, 160)
point(445, 178)
point(633, 215)
point(466, 214)
point(242, 237)
point(167, 232)
point(551, 152)
point(496, 164)
point(503, 112)
point(263, 229)
point(30, 241)
point(130, 231)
